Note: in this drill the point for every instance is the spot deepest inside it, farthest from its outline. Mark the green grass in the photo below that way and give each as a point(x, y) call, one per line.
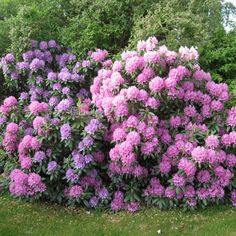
point(20, 218)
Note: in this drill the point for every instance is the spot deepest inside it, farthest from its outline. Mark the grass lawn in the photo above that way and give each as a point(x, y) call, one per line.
point(20, 218)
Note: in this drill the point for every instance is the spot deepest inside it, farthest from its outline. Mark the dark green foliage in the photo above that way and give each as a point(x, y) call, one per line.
point(218, 57)
point(87, 24)
point(27, 20)
point(99, 25)
point(8, 8)
point(180, 22)
point(81, 25)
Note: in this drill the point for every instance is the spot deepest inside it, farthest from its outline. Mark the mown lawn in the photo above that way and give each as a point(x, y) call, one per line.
point(20, 218)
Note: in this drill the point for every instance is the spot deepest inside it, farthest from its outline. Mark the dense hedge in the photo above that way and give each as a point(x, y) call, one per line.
point(153, 129)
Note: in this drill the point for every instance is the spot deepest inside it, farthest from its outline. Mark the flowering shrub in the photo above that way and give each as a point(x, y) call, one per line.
point(51, 141)
point(155, 131)
point(169, 129)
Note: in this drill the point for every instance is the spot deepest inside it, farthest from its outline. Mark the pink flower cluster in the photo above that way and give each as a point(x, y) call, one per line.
point(118, 203)
point(38, 124)
point(231, 120)
point(38, 107)
point(8, 104)
point(26, 145)
point(229, 139)
point(99, 55)
point(128, 136)
point(23, 184)
point(10, 137)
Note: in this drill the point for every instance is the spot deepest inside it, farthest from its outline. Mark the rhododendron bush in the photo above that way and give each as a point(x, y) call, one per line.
point(48, 134)
point(153, 129)
point(172, 140)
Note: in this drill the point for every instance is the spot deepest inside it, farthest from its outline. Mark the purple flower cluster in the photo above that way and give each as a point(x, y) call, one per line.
point(93, 126)
point(65, 131)
point(39, 156)
point(52, 166)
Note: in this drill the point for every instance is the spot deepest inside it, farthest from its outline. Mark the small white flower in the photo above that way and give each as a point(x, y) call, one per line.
point(158, 231)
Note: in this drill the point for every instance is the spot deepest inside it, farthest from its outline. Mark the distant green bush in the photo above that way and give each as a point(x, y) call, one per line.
point(218, 56)
point(81, 25)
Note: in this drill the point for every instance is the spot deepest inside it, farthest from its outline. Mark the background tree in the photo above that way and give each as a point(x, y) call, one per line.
point(218, 56)
point(81, 25)
point(117, 25)
point(181, 22)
